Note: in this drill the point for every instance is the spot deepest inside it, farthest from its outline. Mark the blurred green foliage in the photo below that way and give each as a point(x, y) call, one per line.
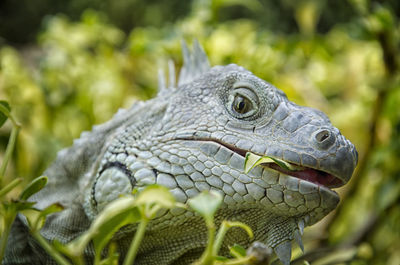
point(80, 71)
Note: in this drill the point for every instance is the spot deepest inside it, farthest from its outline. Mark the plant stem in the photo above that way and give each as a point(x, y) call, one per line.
point(10, 186)
point(134, 247)
point(208, 255)
point(225, 226)
point(77, 260)
point(8, 114)
point(50, 249)
point(9, 150)
point(8, 219)
point(220, 237)
point(97, 258)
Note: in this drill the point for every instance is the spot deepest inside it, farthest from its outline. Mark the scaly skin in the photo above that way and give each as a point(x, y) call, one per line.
point(194, 138)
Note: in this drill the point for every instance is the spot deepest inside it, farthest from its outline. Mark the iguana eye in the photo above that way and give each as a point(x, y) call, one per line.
point(241, 104)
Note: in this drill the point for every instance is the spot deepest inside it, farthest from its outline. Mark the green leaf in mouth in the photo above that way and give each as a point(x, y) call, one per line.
point(253, 160)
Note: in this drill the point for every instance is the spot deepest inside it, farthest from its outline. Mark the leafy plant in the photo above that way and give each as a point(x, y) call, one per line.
point(206, 204)
point(139, 209)
point(10, 208)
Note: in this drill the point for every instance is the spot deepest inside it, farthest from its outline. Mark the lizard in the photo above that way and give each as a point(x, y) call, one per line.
point(194, 136)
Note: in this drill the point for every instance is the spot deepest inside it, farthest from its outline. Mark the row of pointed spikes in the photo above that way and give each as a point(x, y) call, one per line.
point(284, 250)
point(195, 63)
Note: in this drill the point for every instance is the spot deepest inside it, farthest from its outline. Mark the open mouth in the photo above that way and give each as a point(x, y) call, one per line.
point(315, 176)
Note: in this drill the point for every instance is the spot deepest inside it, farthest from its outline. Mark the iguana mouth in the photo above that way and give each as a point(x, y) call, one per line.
point(302, 172)
point(313, 175)
point(309, 174)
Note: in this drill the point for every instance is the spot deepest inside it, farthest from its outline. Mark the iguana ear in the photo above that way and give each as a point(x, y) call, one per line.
point(194, 64)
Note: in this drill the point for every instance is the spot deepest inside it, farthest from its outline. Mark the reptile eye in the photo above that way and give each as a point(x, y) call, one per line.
point(241, 104)
point(242, 101)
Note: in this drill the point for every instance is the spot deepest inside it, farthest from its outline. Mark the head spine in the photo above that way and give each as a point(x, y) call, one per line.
point(195, 63)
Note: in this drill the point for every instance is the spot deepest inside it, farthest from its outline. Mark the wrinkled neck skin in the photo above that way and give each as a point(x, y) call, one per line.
point(195, 138)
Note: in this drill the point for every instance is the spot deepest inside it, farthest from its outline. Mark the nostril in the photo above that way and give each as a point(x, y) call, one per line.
point(322, 135)
point(323, 138)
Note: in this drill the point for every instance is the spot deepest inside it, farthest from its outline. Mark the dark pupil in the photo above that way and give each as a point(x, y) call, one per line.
point(241, 104)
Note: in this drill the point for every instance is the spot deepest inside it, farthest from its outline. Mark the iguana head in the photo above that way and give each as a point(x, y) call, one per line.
point(195, 136)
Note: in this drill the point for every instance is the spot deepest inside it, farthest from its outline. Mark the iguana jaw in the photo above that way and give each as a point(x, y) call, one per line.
point(303, 197)
point(314, 200)
point(316, 176)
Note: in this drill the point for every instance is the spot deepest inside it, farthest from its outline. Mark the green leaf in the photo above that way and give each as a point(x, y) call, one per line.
point(385, 18)
point(115, 215)
point(237, 251)
point(33, 187)
point(53, 208)
point(206, 204)
point(281, 163)
point(253, 160)
point(156, 195)
point(4, 111)
point(41, 217)
point(121, 212)
point(113, 224)
point(221, 258)
point(18, 206)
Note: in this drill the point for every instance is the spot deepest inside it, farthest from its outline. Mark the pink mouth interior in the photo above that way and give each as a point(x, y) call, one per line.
point(311, 175)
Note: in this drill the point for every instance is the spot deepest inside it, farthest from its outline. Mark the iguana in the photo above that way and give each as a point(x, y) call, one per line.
point(194, 136)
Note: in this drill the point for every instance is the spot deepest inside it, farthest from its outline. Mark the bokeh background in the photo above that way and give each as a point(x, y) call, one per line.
point(66, 65)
